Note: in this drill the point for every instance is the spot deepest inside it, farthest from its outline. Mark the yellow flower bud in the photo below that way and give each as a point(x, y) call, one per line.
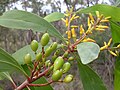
point(73, 32)
point(109, 41)
point(69, 34)
point(66, 22)
point(88, 21)
point(81, 30)
point(104, 21)
point(99, 29)
point(97, 14)
point(111, 52)
point(88, 40)
point(91, 17)
point(108, 17)
point(100, 26)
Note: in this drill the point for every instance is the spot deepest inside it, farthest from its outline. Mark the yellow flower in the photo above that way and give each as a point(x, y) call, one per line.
point(91, 17)
point(111, 52)
point(88, 21)
point(97, 14)
point(88, 40)
point(73, 33)
point(108, 17)
point(69, 34)
point(118, 46)
point(109, 42)
point(99, 29)
point(104, 21)
point(103, 48)
point(81, 30)
point(102, 27)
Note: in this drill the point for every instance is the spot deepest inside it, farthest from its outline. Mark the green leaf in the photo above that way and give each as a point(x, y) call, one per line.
point(88, 51)
point(8, 63)
point(19, 54)
point(54, 17)
point(42, 80)
point(6, 75)
point(103, 9)
point(115, 29)
point(24, 20)
point(117, 74)
point(90, 80)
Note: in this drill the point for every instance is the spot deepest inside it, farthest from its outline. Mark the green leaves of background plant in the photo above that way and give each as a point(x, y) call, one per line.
point(24, 20)
point(8, 63)
point(117, 74)
point(6, 75)
point(115, 29)
point(106, 10)
point(54, 16)
point(88, 51)
point(90, 80)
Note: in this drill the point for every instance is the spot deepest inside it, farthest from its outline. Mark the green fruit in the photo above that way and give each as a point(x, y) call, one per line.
point(47, 62)
point(66, 67)
point(57, 75)
point(54, 57)
point(65, 54)
point(57, 52)
point(68, 78)
point(45, 39)
point(49, 71)
point(34, 45)
point(53, 46)
point(38, 56)
point(27, 58)
point(48, 51)
point(70, 58)
point(58, 63)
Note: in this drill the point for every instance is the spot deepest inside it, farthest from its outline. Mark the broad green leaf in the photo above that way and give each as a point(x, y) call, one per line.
point(117, 74)
point(107, 10)
point(8, 63)
point(115, 29)
point(90, 80)
point(6, 75)
point(54, 17)
point(88, 51)
point(19, 54)
point(24, 20)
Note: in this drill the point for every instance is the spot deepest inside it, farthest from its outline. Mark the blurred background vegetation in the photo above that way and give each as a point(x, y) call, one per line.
point(12, 40)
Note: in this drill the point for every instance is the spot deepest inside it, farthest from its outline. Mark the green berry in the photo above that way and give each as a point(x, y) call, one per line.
point(48, 51)
point(57, 75)
point(68, 78)
point(65, 54)
point(54, 57)
point(34, 45)
point(70, 58)
point(53, 46)
point(47, 63)
point(45, 39)
point(38, 56)
point(27, 58)
point(66, 67)
point(58, 63)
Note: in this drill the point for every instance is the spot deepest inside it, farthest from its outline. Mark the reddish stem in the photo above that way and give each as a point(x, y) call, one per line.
point(39, 85)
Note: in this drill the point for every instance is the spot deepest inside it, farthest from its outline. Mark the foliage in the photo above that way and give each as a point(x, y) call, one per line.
point(49, 60)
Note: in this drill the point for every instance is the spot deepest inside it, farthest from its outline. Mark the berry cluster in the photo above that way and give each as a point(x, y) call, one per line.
point(53, 68)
